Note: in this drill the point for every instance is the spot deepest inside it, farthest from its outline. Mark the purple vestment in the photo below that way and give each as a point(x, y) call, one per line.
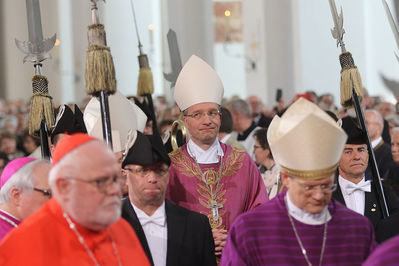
point(386, 254)
point(241, 187)
point(265, 236)
point(7, 223)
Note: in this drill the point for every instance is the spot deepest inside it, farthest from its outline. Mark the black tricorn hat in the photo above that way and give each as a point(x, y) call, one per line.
point(144, 150)
point(68, 122)
point(352, 129)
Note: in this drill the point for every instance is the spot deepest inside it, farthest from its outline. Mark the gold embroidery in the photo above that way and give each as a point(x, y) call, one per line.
point(186, 165)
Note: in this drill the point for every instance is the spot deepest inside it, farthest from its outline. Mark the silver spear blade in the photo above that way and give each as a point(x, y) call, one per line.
point(392, 23)
point(338, 30)
point(36, 49)
point(174, 58)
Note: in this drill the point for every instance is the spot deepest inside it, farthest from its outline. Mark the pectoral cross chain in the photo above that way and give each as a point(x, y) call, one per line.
point(215, 209)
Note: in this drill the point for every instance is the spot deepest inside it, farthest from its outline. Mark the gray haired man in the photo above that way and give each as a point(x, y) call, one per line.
point(23, 190)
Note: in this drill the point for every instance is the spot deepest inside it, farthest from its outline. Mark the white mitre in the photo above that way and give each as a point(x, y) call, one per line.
point(306, 142)
point(197, 83)
point(124, 115)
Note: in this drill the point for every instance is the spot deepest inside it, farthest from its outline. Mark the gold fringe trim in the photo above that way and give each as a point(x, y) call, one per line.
point(311, 174)
point(350, 78)
point(100, 71)
point(41, 106)
point(145, 83)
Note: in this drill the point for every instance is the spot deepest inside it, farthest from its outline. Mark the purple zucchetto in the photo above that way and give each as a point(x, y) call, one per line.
point(12, 167)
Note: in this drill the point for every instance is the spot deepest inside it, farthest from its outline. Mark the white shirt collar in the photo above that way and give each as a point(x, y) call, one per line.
point(211, 155)
point(158, 214)
point(345, 184)
point(307, 217)
point(375, 142)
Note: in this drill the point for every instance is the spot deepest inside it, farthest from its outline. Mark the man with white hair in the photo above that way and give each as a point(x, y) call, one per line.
point(382, 150)
point(243, 124)
point(81, 225)
point(23, 190)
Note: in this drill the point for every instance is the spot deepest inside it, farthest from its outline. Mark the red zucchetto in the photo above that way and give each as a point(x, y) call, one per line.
point(68, 144)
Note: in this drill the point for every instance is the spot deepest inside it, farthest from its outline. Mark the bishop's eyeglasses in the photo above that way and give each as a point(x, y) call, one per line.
point(325, 188)
point(45, 192)
point(199, 115)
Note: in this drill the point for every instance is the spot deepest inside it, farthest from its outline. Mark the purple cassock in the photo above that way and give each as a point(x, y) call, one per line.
point(240, 189)
point(385, 254)
point(264, 236)
point(7, 223)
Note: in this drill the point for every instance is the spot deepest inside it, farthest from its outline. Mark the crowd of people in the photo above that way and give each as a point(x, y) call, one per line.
point(289, 184)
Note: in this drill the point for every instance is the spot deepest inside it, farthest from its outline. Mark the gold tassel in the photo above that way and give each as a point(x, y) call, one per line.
point(41, 105)
point(350, 78)
point(145, 82)
point(100, 71)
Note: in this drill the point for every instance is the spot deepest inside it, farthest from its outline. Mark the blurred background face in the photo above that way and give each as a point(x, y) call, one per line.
point(373, 126)
point(29, 144)
point(8, 146)
point(256, 105)
point(395, 146)
point(260, 153)
point(385, 109)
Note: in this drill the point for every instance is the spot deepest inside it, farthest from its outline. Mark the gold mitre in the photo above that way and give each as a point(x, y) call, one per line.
point(197, 83)
point(306, 142)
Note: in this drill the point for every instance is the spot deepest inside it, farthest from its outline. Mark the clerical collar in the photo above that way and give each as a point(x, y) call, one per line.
point(307, 217)
point(245, 134)
point(376, 142)
point(158, 215)
point(209, 156)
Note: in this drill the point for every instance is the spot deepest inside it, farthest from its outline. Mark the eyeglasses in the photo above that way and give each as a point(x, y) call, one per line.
point(199, 115)
point(325, 188)
point(45, 192)
point(103, 183)
point(145, 171)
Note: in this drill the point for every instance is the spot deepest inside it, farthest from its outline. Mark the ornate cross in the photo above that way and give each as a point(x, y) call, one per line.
point(215, 209)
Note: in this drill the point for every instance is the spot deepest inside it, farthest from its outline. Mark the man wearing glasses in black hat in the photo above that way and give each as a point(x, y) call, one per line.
point(169, 234)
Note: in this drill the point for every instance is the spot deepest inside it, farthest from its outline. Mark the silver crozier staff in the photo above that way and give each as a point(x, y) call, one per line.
point(351, 91)
point(41, 115)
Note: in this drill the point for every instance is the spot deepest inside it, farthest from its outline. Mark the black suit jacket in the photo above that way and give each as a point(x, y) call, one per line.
point(371, 207)
point(190, 240)
point(383, 158)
